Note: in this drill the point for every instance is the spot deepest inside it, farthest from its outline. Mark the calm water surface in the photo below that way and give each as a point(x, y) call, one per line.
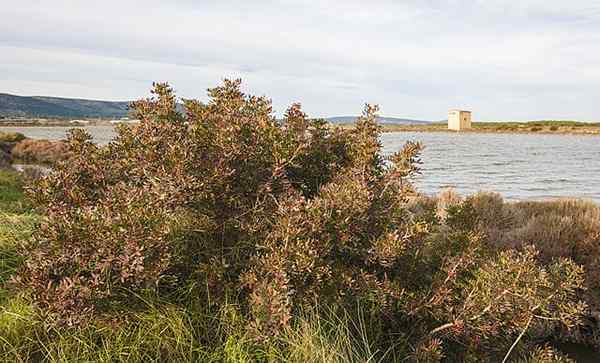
point(101, 134)
point(520, 166)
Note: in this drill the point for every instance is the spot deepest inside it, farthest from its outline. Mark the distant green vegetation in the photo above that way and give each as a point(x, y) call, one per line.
point(539, 126)
point(573, 127)
point(546, 123)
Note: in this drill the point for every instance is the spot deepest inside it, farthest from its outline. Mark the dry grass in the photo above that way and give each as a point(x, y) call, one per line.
point(332, 337)
point(564, 228)
point(446, 199)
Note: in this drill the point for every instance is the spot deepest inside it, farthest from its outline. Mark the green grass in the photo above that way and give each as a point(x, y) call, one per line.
point(14, 229)
point(12, 198)
point(16, 225)
point(169, 333)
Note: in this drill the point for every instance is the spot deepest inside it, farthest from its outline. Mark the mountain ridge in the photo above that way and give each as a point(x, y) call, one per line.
point(44, 106)
point(381, 119)
point(63, 107)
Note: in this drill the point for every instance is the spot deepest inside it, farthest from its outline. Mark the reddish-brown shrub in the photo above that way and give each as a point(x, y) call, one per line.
point(278, 215)
point(178, 197)
point(39, 151)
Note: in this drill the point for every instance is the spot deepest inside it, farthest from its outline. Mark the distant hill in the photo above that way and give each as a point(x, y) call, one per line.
point(38, 106)
point(382, 120)
point(41, 106)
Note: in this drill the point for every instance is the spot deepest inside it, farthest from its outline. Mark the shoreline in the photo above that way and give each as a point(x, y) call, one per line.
point(425, 129)
point(490, 127)
point(384, 129)
point(564, 133)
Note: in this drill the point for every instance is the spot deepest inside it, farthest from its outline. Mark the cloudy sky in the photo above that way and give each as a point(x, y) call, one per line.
point(526, 59)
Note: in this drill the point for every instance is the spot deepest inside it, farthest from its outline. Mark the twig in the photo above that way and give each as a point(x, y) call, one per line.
point(440, 328)
point(518, 339)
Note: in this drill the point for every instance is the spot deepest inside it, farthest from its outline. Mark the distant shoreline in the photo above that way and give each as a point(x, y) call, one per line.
point(546, 128)
point(532, 127)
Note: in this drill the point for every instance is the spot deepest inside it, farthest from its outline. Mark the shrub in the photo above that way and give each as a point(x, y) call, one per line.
point(39, 151)
point(546, 354)
point(5, 160)
point(445, 200)
point(11, 136)
point(230, 204)
point(176, 198)
point(560, 228)
point(563, 228)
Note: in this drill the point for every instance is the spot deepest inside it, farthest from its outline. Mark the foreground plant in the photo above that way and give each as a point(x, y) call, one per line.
point(227, 203)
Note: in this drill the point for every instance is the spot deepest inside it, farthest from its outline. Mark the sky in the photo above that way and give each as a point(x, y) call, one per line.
point(503, 60)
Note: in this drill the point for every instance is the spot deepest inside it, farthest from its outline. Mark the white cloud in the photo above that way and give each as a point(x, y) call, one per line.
point(503, 59)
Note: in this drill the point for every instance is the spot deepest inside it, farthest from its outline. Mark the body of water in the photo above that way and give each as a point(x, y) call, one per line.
point(519, 166)
point(101, 134)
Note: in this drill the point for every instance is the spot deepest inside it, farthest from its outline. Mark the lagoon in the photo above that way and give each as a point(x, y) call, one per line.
point(519, 166)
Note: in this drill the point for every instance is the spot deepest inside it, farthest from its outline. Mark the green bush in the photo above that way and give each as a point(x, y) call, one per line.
point(11, 136)
point(227, 204)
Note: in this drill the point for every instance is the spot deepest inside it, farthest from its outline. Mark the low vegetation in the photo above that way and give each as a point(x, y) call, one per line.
point(560, 228)
point(39, 151)
point(11, 136)
point(12, 198)
point(15, 147)
point(224, 234)
point(555, 127)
